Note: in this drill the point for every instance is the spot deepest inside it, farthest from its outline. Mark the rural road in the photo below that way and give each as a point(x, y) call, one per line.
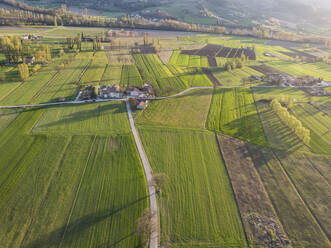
point(154, 98)
point(154, 238)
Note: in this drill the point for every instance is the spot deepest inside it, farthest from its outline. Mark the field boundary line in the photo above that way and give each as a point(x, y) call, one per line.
point(77, 191)
point(83, 71)
point(301, 197)
point(44, 198)
point(314, 167)
point(8, 93)
point(231, 186)
point(154, 237)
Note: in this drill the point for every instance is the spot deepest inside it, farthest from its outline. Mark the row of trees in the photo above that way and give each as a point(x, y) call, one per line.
point(292, 122)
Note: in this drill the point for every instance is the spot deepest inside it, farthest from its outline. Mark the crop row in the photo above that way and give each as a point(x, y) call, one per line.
point(131, 76)
point(27, 90)
point(235, 111)
point(94, 72)
point(197, 207)
point(64, 85)
point(158, 74)
point(101, 118)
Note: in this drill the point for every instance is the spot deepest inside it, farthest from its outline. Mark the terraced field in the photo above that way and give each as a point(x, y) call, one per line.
point(197, 208)
point(233, 112)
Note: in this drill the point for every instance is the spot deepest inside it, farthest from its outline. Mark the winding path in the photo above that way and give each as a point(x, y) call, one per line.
point(154, 238)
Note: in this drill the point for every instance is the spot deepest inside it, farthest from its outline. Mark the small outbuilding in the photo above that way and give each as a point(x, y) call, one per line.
point(142, 105)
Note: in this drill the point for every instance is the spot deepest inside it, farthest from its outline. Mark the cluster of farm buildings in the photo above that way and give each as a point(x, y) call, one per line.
point(117, 91)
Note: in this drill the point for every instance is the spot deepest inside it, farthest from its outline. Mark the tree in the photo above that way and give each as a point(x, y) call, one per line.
point(36, 68)
point(95, 92)
point(144, 226)
point(160, 180)
point(62, 52)
point(55, 21)
point(23, 70)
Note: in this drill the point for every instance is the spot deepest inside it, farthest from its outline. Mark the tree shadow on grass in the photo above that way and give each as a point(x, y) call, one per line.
point(85, 115)
point(77, 227)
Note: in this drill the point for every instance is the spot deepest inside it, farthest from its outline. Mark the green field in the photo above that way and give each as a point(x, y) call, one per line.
point(112, 74)
point(95, 71)
point(297, 219)
point(63, 85)
point(6, 117)
point(100, 118)
point(235, 77)
point(26, 91)
point(67, 189)
point(157, 74)
point(197, 208)
point(187, 111)
point(317, 70)
point(233, 112)
point(278, 135)
point(130, 76)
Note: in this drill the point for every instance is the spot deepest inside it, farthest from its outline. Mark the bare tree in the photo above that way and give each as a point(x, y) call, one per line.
point(160, 180)
point(144, 226)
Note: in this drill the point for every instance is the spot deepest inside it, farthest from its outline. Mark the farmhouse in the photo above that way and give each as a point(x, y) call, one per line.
point(30, 60)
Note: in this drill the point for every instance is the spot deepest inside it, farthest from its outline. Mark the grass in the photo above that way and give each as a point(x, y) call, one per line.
point(278, 93)
point(95, 71)
point(312, 185)
point(102, 213)
point(6, 117)
point(130, 76)
point(233, 112)
point(68, 190)
point(279, 135)
point(317, 70)
point(252, 198)
point(112, 74)
point(157, 74)
point(64, 85)
point(30, 88)
point(235, 77)
point(314, 119)
point(296, 218)
point(11, 81)
point(186, 111)
point(197, 208)
point(99, 118)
